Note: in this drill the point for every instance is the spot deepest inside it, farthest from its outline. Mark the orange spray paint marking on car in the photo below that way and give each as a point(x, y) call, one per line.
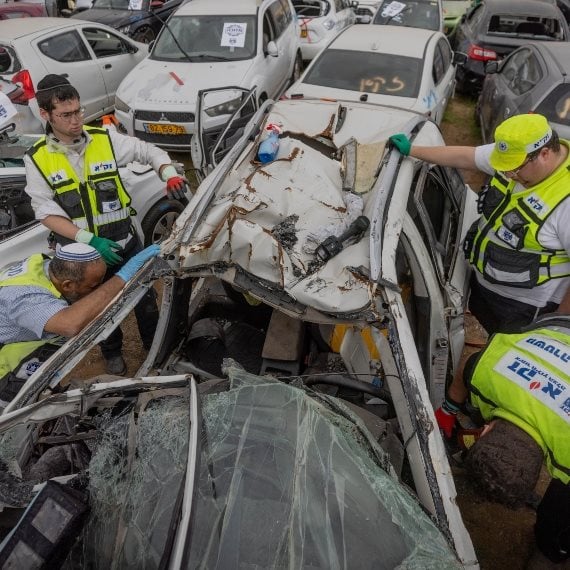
point(176, 78)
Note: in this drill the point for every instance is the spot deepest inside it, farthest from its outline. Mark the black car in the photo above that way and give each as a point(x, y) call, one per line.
point(494, 28)
point(534, 78)
point(139, 19)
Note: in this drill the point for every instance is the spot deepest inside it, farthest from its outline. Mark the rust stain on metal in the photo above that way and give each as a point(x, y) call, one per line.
point(230, 216)
point(340, 209)
point(328, 132)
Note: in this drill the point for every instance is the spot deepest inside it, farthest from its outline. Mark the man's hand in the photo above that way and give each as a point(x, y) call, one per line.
point(107, 248)
point(175, 187)
point(128, 271)
point(401, 142)
point(445, 421)
point(175, 184)
point(104, 246)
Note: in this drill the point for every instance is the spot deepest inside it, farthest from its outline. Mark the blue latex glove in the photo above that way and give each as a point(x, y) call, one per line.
point(128, 271)
point(401, 142)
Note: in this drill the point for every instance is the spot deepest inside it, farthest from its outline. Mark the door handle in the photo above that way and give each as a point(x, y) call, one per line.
point(107, 66)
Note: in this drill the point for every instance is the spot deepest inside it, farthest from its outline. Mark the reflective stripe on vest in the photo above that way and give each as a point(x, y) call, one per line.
point(506, 249)
point(525, 379)
point(17, 357)
point(101, 205)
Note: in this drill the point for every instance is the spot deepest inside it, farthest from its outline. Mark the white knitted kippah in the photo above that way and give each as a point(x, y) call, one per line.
point(80, 252)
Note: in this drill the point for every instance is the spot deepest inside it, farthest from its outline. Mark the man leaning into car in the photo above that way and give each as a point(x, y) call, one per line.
point(76, 191)
point(520, 385)
point(44, 300)
point(520, 245)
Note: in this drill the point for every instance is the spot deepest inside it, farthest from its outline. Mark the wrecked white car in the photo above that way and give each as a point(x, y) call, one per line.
point(21, 235)
point(333, 275)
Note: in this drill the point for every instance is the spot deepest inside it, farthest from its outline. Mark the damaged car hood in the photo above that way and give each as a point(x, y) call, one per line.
point(268, 220)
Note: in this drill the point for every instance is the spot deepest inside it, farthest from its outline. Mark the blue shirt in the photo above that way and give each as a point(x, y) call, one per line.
point(25, 310)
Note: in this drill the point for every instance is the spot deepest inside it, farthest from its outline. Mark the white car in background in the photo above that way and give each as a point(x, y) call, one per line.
point(22, 235)
point(207, 44)
point(94, 58)
point(366, 10)
point(320, 21)
point(404, 67)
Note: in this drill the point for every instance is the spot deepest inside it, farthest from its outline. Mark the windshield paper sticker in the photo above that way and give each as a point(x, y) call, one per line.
point(7, 108)
point(135, 4)
point(392, 9)
point(233, 35)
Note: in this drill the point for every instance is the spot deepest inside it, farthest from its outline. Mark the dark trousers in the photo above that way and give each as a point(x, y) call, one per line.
point(552, 528)
point(501, 314)
point(146, 311)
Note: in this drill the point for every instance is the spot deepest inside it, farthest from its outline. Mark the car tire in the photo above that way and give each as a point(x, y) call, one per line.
point(145, 35)
point(159, 221)
point(297, 68)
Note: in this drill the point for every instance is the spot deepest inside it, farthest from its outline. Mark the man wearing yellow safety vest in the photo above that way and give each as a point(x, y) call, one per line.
point(520, 246)
point(520, 383)
point(44, 300)
point(76, 191)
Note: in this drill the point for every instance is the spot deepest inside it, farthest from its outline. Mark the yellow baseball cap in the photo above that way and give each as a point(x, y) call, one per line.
point(516, 137)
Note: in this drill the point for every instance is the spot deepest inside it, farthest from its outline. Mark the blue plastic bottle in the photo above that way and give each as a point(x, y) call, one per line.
point(268, 148)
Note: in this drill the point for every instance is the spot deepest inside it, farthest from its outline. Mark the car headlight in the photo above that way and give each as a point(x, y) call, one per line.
point(328, 24)
point(125, 30)
point(226, 108)
point(120, 105)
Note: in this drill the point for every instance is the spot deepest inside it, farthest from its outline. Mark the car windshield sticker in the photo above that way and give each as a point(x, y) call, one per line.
point(233, 35)
point(392, 9)
point(7, 108)
point(379, 83)
point(135, 4)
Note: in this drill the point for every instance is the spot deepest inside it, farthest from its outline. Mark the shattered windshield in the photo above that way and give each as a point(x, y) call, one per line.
point(285, 481)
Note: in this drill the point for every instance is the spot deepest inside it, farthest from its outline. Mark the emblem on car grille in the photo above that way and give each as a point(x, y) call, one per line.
point(163, 117)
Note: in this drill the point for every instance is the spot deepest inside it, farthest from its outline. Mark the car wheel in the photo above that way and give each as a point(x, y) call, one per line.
point(159, 221)
point(297, 68)
point(145, 35)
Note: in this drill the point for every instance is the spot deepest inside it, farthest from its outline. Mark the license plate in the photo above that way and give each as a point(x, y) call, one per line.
point(303, 33)
point(163, 129)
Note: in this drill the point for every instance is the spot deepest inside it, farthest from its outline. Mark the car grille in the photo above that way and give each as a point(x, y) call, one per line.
point(173, 117)
point(164, 139)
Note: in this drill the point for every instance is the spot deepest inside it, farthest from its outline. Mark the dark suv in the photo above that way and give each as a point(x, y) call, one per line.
point(493, 29)
point(139, 19)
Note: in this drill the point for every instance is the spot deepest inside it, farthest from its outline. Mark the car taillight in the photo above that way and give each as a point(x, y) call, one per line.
point(481, 54)
point(25, 80)
point(18, 96)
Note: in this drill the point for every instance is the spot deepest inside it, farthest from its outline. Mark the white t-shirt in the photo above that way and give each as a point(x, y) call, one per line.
point(555, 234)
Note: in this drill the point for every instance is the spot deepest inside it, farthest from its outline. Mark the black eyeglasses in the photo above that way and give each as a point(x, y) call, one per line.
point(77, 114)
point(515, 171)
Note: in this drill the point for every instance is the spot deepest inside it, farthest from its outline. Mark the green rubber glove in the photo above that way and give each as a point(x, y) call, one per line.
point(402, 143)
point(106, 248)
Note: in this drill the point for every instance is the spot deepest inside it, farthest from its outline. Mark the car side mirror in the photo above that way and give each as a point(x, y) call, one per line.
point(272, 49)
point(492, 67)
point(459, 58)
point(354, 4)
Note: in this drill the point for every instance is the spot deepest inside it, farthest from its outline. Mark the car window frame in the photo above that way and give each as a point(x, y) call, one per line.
point(443, 253)
point(127, 46)
point(66, 32)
